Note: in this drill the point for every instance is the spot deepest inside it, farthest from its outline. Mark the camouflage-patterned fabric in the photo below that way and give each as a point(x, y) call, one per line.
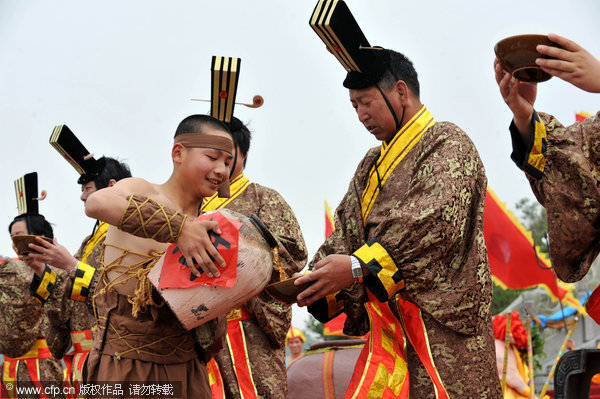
point(429, 217)
point(22, 321)
point(568, 189)
point(265, 332)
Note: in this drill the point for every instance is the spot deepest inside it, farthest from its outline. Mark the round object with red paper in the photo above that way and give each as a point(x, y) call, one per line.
point(196, 300)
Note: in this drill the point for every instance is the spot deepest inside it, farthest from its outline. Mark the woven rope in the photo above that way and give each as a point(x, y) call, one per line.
point(134, 209)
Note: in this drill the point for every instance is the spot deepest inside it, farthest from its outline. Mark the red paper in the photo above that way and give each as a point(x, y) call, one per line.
point(593, 305)
point(175, 272)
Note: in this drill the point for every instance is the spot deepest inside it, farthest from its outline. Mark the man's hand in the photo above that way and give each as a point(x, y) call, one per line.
point(37, 267)
point(195, 244)
point(573, 63)
point(53, 254)
point(520, 98)
point(330, 275)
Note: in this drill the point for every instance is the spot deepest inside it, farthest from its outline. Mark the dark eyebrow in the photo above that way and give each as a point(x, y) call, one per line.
point(220, 152)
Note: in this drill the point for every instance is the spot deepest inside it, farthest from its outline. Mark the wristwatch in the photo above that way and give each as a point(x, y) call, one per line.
point(357, 271)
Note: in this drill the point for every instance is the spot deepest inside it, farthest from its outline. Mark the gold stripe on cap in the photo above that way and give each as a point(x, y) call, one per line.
point(216, 80)
point(225, 72)
point(21, 195)
point(343, 53)
point(54, 142)
point(320, 22)
point(234, 64)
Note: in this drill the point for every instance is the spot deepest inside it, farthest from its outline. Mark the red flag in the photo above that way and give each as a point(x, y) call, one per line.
point(511, 253)
point(329, 226)
point(175, 272)
point(581, 116)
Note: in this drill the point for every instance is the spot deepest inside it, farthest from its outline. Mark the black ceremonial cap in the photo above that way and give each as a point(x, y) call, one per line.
point(26, 189)
point(69, 146)
point(335, 25)
point(225, 73)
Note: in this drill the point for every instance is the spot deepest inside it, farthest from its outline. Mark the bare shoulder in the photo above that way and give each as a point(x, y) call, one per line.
point(136, 185)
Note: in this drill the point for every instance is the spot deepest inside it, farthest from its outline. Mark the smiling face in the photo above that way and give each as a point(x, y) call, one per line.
point(205, 169)
point(295, 345)
point(373, 111)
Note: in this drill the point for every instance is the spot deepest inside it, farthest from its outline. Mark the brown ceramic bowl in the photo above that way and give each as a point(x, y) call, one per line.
point(22, 243)
point(517, 56)
point(285, 290)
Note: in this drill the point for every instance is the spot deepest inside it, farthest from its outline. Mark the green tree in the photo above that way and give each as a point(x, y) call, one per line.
point(316, 327)
point(533, 217)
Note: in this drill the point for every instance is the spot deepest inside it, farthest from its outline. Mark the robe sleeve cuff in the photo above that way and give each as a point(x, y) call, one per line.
point(385, 279)
point(530, 157)
point(84, 275)
point(41, 287)
point(327, 308)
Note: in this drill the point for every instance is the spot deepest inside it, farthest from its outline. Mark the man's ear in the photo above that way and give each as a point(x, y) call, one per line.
point(402, 90)
point(112, 182)
point(178, 153)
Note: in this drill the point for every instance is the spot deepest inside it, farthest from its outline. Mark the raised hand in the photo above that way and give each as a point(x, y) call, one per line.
point(520, 98)
point(53, 254)
point(573, 63)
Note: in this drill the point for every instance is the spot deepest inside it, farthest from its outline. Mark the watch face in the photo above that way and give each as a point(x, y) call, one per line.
point(356, 269)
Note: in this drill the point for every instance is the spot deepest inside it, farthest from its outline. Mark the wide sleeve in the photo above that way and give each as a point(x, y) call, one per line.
point(429, 247)
point(274, 317)
point(568, 189)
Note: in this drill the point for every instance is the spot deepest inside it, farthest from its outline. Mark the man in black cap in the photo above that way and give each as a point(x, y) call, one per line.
point(71, 320)
point(29, 357)
point(407, 258)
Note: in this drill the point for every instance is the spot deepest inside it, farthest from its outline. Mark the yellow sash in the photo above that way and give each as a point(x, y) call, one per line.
point(236, 187)
point(392, 154)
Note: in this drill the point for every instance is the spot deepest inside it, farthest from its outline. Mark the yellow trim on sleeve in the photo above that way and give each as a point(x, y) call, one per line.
point(381, 265)
point(81, 284)
point(48, 280)
point(536, 157)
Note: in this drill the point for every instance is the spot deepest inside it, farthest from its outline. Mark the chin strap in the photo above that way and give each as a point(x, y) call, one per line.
point(233, 163)
point(398, 125)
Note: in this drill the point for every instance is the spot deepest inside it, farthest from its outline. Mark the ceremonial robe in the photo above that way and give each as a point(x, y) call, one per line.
point(415, 220)
point(562, 165)
point(28, 357)
point(267, 320)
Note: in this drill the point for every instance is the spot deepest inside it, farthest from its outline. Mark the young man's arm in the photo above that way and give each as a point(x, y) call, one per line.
point(146, 218)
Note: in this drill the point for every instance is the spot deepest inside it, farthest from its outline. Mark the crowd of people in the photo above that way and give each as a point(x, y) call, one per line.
point(406, 262)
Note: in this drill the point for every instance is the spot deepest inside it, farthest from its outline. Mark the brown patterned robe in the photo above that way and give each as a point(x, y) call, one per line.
point(566, 182)
point(22, 321)
point(429, 217)
point(265, 333)
point(65, 315)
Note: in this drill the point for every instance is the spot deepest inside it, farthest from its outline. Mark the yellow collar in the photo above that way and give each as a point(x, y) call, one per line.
point(392, 154)
point(99, 235)
point(236, 187)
